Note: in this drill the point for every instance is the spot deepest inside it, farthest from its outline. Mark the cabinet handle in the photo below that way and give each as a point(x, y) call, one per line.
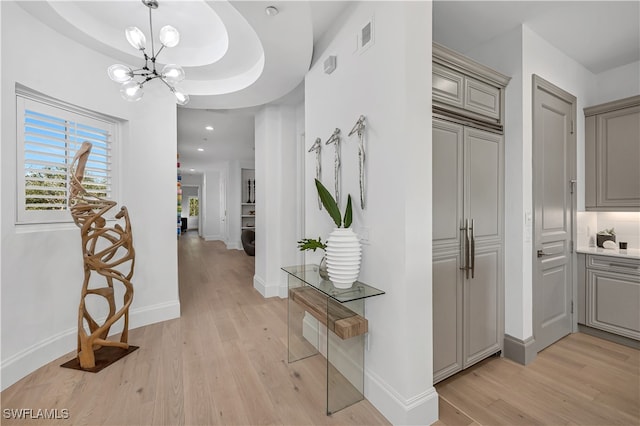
point(473, 251)
point(464, 249)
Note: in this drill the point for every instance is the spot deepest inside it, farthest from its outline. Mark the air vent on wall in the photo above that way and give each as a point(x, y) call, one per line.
point(366, 36)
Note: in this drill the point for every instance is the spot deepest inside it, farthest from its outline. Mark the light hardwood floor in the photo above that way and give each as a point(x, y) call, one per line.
point(580, 380)
point(224, 362)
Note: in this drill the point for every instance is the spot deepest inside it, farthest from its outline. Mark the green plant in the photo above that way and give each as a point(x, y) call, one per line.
point(331, 206)
point(311, 244)
point(610, 231)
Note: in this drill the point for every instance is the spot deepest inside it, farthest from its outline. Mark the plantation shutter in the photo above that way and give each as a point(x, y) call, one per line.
point(48, 138)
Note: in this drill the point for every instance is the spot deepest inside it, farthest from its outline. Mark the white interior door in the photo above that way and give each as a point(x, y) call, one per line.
point(554, 161)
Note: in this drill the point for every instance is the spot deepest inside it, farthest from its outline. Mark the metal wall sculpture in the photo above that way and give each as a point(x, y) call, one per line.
point(317, 148)
point(335, 139)
point(359, 129)
point(108, 252)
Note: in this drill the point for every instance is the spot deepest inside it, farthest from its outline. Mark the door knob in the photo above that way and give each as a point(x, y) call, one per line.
point(542, 253)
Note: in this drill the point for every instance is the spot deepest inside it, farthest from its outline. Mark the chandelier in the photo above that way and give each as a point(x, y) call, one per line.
point(133, 79)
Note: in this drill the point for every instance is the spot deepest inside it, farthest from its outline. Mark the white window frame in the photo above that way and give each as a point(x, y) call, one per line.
point(27, 99)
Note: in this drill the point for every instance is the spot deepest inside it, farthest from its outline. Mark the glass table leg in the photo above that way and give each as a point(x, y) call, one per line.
point(345, 360)
point(303, 328)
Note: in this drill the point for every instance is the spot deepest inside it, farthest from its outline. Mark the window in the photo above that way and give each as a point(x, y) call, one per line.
point(49, 133)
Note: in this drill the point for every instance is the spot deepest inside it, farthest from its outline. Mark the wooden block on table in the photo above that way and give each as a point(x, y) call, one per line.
point(341, 320)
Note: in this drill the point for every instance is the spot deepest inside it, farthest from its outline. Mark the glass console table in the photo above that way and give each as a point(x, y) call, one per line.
point(331, 321)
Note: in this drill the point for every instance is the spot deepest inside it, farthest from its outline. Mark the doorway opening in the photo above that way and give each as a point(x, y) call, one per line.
point(191, 208)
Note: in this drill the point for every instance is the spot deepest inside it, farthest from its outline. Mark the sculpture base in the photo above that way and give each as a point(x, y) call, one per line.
point(105, 356)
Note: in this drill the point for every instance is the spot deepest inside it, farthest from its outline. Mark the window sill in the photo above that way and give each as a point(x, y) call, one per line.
point(26, 228)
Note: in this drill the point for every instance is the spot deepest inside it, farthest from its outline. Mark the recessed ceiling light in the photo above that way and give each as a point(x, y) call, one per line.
point(200, 149)
point(210, 128)
point(192, 170)
point(271, 10)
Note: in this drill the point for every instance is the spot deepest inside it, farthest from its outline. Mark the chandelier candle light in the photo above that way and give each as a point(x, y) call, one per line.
point(131, 89)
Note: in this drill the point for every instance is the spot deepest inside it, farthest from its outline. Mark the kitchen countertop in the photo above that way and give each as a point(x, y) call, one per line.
point(631, 253)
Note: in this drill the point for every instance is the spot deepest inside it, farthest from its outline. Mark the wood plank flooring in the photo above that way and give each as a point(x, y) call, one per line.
point(580, 380)
point(224, 362)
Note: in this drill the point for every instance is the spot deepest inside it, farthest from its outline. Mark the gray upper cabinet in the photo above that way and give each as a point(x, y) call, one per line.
point(612, 155)
point(448, 85)
point(463, 88)
point(482, 98)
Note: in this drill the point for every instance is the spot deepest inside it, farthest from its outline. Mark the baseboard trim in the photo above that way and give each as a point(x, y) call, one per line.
point(421, 409)
point(213, 238)
point(258, 284)
point(520, 351)
point(621, 340)
point(233, 246)
point(268, 291)
point(35, 356)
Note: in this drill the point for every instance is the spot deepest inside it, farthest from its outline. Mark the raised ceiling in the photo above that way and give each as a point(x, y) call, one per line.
point(234, 54)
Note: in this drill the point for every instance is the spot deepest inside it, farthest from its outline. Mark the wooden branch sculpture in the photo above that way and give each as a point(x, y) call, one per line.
point(108, 252)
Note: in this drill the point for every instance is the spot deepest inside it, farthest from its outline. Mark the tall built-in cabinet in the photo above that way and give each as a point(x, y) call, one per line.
point(612, 153)
point(468, 212)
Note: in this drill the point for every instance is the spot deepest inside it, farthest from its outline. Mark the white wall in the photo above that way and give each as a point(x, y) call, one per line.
point(301, 159)
point(617, 83)
point(276, 200)
point(42, 269)
point(389, 84)
point(2, 93)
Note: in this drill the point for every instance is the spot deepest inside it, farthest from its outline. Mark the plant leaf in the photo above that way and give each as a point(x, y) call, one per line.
point(329, 203)
point(311, 244)
point(348, 213)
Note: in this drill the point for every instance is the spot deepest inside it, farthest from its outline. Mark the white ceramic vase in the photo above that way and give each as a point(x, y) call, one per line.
point(343, 254)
